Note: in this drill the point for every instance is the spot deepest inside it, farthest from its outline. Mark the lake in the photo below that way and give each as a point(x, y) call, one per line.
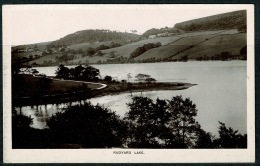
point(219, 96)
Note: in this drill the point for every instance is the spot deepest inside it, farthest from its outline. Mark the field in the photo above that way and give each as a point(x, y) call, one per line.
point(175, 47)
point(230, 43)
point(85, 46)
point(31, 85)
point(190, 44)
point(126, 50)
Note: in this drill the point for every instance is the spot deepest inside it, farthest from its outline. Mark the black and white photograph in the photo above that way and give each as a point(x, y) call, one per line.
point(128, 83)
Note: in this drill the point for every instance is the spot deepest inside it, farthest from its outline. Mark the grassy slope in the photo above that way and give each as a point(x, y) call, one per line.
point(199, 42)
point(173, 48)
point(25, 54)
point(85, 46)
point(230, 43)
point(170, 47)
point(224, 20)
point(40, 47)
point(127, 49)
point(52, 58)
point(56, 85)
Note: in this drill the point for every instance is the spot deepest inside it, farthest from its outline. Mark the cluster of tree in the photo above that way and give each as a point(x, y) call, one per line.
point(65, 57)
point(141, 78)
point(142, 49)
point(155, 31)
point(223, 56)
point(243, 52)
point(27, 59)
point(97, 51)
point(88, 73)
point(90, 126)
point(148, 124)
point(94, 36)
point(235, 19)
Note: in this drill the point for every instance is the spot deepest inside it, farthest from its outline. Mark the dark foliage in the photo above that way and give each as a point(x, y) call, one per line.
point(168, 124)
point(94, 36)
point(144, 48)
point(235, 19)
point(148, 124)
point(64, 58)
point(144, 78)
point(155, 31)
point(229, 138)
point(108, 79)
point(243, 52)
point(80, 72)
point(88, 125)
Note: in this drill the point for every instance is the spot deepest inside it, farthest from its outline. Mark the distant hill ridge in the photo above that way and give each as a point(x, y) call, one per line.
point(155, 31)
point(95, 36)
point(236, 19)
point(218, 37)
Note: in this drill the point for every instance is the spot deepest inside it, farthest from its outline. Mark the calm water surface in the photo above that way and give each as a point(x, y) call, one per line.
point(220, 94)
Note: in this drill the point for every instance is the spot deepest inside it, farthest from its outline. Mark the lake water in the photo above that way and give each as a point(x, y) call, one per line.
point(220, 94)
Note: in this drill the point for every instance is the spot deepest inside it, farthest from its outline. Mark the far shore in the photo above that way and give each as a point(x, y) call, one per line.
point(113, 88)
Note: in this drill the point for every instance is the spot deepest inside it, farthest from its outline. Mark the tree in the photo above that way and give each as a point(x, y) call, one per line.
point(142, 77)
point(160, 120)
point(204, 140)
point(21, 121)
point(16, 67)
point(62, 72)
point(90, 126)
point(99, 53)
point(90, 51)
point(168, 124)
point(108, 79)
point(184, 58)
point(144, 48)
point(242, 28)
point(150, 80)
point(139, 117)
point(129, 77)
point(90, 73)
point(224, 55)
point(182, 123)
point(229, 138)
point(112, 54)
point(243, 52)
point(78, 71)
point(34, 71)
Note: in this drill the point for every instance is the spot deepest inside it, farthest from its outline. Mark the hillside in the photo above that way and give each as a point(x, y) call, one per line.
point(162, 32)
point(236, 19)
point(193, 46)
point(95, 36)
point(176, 47)
point(218, 37)
point(223, 43)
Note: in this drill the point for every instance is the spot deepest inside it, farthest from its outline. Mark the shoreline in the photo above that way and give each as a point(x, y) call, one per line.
point(110, 89)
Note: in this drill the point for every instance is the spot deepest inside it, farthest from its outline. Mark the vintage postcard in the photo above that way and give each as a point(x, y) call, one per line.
point(128, 83)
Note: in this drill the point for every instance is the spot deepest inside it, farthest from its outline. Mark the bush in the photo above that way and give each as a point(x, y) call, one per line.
point(88, 125)
point(108, 79)
point(144, 48)
point(21, 121)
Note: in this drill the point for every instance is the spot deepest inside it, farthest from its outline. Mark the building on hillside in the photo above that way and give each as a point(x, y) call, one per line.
point(152, 36)
point(30, 50)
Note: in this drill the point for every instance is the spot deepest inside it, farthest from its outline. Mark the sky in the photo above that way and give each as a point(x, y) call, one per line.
point(30, 24)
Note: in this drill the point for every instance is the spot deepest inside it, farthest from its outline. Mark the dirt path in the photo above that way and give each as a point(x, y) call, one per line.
point(84, 82)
